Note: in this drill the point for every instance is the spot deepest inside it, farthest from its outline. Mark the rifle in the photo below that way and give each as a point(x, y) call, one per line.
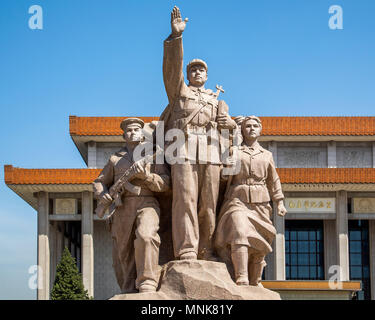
point(122, 184)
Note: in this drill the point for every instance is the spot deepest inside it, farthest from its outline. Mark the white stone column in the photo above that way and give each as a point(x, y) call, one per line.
point(331, 154)
point(91, 154)
point(342, 234)
point(372, 256)
point(43, 247)
point(330, 252)
point(373, 154)
point(87, 245)
point(272, 147)
point(279, 255)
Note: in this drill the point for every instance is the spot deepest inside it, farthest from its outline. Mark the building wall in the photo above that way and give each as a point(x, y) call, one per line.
point(53, 237)
point(302, 155)
point(288, 154)
point(105, 284)
point(104, 151)
point(354, 155)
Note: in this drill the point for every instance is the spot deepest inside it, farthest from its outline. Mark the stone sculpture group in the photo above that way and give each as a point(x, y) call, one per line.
point(220, 183)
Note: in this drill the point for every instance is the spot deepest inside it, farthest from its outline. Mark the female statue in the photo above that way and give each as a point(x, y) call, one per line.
point(245, 232)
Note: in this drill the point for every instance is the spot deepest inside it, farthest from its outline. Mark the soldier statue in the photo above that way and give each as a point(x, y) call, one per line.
point(195, 182)
point(134, 223)
point(245, 232)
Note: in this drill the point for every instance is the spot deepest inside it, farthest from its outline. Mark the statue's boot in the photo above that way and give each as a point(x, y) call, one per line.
point(208, 254)
point(240, 258)
point(188, 256)
point(147, 286)
point(255, 272)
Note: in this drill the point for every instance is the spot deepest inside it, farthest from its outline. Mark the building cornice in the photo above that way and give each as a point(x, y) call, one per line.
point(26, 182)
point(21, 176)
point(288, 176)
point(272, 126)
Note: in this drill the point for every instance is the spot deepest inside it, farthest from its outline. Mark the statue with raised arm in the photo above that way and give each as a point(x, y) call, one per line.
point(245, 232)
point(195, 182)
point(128, 189)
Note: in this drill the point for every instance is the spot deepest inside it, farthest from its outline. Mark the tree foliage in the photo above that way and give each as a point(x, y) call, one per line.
point(68, 283)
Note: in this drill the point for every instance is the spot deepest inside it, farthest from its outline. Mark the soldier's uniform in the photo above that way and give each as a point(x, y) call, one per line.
point(245, 217)
point(135, 224)
point(196, 183)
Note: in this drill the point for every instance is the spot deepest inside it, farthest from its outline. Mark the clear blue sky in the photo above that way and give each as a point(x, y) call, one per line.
point(104, 58)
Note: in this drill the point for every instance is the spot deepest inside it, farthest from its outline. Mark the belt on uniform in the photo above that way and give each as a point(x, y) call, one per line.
point(195, 129)
point(250, 182)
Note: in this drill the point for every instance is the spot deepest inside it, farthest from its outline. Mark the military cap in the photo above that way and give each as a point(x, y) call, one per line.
point(128, 121)
point(195, 62)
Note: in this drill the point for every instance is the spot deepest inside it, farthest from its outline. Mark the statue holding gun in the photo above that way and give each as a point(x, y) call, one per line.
point(128, 188)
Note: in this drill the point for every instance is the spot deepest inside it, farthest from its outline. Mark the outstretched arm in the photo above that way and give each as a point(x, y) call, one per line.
point(173, 56)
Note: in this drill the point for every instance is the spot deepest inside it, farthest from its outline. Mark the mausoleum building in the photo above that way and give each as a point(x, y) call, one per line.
point(327, 169)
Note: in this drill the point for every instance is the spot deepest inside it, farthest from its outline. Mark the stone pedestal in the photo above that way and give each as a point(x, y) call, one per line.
point(199, 280)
